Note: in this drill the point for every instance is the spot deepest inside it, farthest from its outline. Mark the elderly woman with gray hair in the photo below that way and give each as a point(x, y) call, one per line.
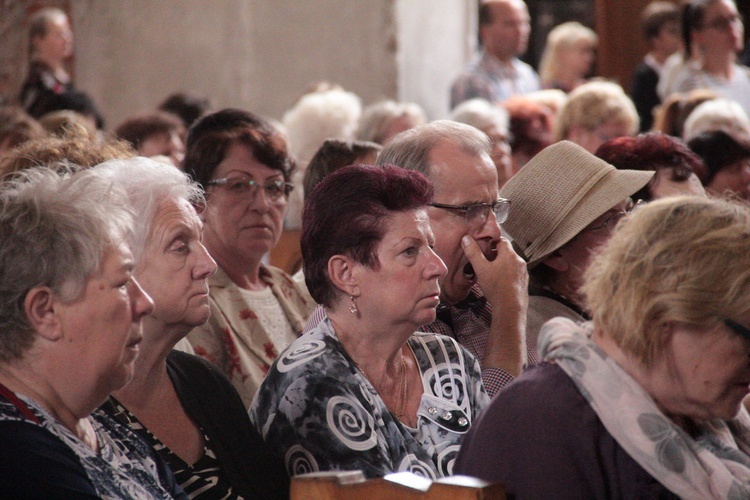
point(70, 316)
point(646, 400)
point(182, 404)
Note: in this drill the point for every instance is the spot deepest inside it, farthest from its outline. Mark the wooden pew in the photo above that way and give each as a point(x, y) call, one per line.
point(346, 485)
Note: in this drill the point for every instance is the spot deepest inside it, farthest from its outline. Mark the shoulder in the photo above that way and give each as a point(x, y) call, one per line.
point(542, 309)
point(314, 357)
point(276, 275)
point(543, 404)
point(28, 452)
point(540, 414)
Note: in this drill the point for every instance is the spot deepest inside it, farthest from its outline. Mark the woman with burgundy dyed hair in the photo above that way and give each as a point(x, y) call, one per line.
point(364, 390)
point(678, 169)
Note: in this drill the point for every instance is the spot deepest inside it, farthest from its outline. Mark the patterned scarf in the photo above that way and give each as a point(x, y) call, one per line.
point(714, 465)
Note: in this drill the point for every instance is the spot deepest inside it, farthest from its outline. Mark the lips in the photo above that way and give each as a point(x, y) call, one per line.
point(134, 342)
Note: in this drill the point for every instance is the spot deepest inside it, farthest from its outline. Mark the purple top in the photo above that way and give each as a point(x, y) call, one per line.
point(541, 439)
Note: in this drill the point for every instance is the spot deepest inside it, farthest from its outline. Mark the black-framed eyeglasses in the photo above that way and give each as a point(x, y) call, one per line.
point(737, 328)
point(276, 191)
point(476, 214)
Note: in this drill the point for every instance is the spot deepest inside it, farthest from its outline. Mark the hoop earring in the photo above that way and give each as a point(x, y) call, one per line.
point(353, 308)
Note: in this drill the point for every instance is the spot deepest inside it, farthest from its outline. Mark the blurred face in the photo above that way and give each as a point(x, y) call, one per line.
point(703, 374)
point(669, 40)
point(176, 266)
point(722, 31)
point(57, 44)
point(507, 36)
point(237, 223)
point(579, 58)
point(404, 290)
point(461, 179)
point(167, 144)
point(500, 154)
point(733, 179)
point(101, 328)
point(591, 139)
point(577, 253)
point(662, 185)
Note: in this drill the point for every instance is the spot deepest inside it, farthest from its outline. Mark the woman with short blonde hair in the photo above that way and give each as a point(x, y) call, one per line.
point(568, 56)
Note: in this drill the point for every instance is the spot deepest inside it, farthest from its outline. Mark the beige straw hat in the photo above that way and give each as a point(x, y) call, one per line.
point(558, 193)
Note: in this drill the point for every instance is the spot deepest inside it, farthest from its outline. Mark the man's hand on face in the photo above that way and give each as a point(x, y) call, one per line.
point(502, 277)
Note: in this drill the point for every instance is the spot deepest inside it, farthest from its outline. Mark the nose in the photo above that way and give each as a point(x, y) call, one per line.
point(260, 200)
point(141, 303)
point(436, 268)
point(489, 230)
point(205, 265)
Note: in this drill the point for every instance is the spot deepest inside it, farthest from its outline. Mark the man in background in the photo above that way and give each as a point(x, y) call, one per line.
point(496, 73)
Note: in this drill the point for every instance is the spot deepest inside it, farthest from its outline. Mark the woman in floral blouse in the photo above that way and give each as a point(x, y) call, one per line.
point(256, 310)
point(362, 390)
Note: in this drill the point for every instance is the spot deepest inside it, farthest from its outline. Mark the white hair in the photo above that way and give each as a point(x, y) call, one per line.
point(148, 184)
point(481, 114)
point(717, 114)
point(328, 114)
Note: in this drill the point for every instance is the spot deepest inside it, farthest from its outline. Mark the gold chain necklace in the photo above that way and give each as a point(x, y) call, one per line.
point(404, 387)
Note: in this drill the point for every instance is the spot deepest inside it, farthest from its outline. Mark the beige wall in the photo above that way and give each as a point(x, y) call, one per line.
point(261, 54)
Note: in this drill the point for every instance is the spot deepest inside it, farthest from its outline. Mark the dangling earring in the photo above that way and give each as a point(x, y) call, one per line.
point(353, 308)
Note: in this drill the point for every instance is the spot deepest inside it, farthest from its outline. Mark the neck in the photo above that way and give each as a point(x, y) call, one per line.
point(57, 66)
point(721, 66)
point(660, 56)
point(373, 352)
point(646, 377)
point(150, 370)
point(568, 81)
point(565, 287)
point(26, 379)
point(243, 273)
point(504, 59)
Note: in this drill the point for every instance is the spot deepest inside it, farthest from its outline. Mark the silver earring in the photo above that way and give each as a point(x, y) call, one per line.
point(353, 308)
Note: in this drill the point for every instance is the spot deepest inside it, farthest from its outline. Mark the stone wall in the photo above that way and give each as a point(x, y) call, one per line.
point(262, 54)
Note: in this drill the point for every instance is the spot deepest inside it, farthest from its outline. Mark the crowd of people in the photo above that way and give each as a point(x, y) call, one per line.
point(549, 288)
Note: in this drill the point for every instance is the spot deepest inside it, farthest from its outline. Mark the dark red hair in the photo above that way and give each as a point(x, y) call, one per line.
point(652, 151)
point(347, 214)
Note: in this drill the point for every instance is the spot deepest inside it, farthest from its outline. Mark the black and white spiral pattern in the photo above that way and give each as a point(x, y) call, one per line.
point(351, 423)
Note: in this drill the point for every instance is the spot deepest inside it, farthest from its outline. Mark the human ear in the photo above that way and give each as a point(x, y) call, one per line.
point(342, 271)
point(39, 306)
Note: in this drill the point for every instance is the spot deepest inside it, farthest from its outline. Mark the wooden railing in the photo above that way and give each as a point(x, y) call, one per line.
point(402, 485)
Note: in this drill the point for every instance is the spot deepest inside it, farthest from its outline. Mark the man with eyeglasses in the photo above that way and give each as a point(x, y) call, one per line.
point(483, 296)
point(565, 203)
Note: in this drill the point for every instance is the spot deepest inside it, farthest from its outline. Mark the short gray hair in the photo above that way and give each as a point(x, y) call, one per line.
point(56, 228)
point(376, 118)
point(148, 184)
point(411, 149)
point(481, 114)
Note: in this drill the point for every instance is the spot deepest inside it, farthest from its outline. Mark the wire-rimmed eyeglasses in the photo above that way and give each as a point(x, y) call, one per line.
point(477, 214)
point(276, 191)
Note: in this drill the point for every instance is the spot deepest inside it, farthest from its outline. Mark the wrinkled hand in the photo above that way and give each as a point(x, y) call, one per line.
point(504, 280)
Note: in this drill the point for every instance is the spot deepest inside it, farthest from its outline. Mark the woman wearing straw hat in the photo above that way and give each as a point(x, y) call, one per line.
point(564, 204)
